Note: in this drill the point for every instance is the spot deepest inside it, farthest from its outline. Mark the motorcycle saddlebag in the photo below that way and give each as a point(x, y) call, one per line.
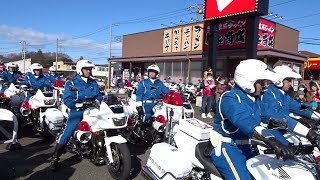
point(168, 162)
point(54, 118)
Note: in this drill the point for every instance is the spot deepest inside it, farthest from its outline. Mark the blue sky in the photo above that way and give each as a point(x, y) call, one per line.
point(83, 26)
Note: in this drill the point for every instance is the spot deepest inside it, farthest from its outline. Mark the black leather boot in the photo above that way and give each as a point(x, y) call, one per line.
point(55, 157)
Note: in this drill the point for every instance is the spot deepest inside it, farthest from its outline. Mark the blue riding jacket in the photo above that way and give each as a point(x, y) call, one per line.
point(150, 91)
point(87, 91)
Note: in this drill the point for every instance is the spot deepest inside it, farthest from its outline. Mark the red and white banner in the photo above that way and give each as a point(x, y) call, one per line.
point(267, 31)
point(232, 34)
point(221, 8)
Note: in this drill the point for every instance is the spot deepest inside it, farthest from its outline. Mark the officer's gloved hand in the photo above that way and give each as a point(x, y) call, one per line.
point(314, 138)
point(280, 149)
point(309, 123)
point(140, 110)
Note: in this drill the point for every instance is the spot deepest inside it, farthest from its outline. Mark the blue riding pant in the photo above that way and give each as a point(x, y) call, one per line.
point(72, 123)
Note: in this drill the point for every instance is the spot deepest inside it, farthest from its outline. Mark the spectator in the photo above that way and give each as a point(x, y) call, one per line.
point(208, 86)
point(313, 94)
point(205, 73)
point(221, 87)
point(301, 96)
point(230, 84)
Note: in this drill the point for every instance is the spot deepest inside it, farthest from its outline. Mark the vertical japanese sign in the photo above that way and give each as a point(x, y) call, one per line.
point(186, 38)
point(167, 38)
point(176, 40)
point(267, 31)
point(197, 37)
point(232, 34)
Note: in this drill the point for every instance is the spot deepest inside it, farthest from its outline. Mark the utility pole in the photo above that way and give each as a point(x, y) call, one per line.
point(57, 55)
point(110, 55)
point(24, 55)
point(110, 40)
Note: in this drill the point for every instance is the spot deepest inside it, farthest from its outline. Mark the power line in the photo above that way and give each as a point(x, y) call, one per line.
point(282, 3)
point(153, 16)
point(311, 25)
point(310, 43)
point(159, 19)
point(301, 17)
point(310, 38)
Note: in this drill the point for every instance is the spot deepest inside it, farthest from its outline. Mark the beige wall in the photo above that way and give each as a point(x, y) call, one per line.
point(286, 38)
point(64, 67)
point(143, 44)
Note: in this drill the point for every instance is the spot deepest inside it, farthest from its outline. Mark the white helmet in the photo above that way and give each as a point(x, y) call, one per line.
point(284, 72)
point(13, 65)
point(83, 64)
point(35, 66)
point(154, 68)
point(52, 68)
point(251, 70)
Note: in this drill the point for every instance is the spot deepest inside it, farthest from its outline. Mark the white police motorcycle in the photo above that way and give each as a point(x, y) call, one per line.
point(98, 137)
point(186, 155)
point(41, 111)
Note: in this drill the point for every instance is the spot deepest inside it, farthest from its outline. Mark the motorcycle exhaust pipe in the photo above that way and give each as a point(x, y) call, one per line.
point(83, 136)
point(25, 112)
point(160, 127)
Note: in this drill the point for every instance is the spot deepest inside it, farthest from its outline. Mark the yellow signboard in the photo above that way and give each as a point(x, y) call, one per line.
point(183, 39)
point(167, 41)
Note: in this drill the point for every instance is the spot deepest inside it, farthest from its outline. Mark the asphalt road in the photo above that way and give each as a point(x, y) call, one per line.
point(33, 160)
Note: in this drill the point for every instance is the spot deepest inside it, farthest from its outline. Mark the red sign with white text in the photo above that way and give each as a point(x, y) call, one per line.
point(267, 31)
point(232, 35)
point(221, 8)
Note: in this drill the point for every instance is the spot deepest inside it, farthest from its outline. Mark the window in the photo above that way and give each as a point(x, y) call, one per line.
point(58, 66)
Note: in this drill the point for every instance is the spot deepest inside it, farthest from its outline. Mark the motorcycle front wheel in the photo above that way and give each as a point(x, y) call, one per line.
point(121, 166)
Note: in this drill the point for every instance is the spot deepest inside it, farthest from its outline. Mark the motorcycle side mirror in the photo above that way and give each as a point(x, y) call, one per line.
point(73, 88)
point(275, 123)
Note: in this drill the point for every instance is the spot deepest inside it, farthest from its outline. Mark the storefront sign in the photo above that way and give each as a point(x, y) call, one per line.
point(183, 39)
point(215, 9)
point(186, 38)
point(197, 37)
point(167, 40)
point(312, 63)
point(267, 31)
point(232, 34)
point(176, 41)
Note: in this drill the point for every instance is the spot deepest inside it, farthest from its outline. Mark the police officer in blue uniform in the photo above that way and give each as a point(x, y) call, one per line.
point(51, 75)
point(35, 79)
point(88, 90)
point(275, 101)
point(11, 75)
point(148, 91)
point(238, 119)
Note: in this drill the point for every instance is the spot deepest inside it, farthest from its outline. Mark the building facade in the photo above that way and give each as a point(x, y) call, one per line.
point(181, 52)
point(23, 65)
point(69, 69)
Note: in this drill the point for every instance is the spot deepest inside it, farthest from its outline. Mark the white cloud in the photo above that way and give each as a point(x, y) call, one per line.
point(38, 39)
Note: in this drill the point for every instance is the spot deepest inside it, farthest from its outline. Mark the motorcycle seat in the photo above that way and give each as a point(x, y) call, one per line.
point(206, 160)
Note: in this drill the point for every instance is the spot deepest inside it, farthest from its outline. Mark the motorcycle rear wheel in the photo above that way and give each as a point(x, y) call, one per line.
point(121, 166)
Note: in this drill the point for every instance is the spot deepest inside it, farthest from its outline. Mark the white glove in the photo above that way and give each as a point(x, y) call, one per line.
point(301, 130)
point(315, 115)
point(138, 103)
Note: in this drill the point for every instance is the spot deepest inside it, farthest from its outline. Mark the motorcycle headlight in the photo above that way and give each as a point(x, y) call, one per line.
point(49, 101)
point(119, 121)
